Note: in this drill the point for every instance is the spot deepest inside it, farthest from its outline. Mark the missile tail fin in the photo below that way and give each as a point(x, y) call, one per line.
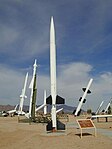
point(60, 126)
point(59, 100)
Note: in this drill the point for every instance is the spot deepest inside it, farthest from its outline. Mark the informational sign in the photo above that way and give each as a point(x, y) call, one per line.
point(86, 124)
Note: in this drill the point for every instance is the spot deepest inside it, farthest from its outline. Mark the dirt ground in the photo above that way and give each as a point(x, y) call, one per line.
point(14, 135)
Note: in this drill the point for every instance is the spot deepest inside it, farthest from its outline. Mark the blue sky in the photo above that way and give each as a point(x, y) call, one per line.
point(83, 41)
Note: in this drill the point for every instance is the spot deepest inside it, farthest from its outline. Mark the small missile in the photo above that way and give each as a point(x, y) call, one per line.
point(82, 100)
point(99, 107)
point(23, 96)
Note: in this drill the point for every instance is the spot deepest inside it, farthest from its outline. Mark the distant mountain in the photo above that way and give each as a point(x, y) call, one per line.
point(6, 107)
point(66, 108)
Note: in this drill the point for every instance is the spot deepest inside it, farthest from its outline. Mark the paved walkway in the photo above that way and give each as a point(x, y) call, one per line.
point(105, 132)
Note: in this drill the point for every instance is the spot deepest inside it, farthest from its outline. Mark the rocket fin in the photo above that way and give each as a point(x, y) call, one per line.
point(80, 98)
point(49, 126)
point(84, 101)
point(79, 112)
point(49, 100)
point(74, 111)
point(60, 126)
point(59, 100)
point(88, 92)
point(31, 84)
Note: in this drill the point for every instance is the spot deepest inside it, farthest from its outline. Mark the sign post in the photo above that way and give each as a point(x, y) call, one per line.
point(86, 124)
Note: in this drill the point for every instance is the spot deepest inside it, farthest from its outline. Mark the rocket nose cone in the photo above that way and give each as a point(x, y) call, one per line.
point(35, 63)
point(52, 22)
point(52, 31)
point(52, 19)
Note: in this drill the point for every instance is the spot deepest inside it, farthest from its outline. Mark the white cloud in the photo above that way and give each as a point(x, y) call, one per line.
point(72, 78)
point(74, 71)
point(10, 86)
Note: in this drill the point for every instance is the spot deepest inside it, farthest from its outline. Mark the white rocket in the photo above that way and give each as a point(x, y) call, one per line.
point(82, 99)
point(106, 110)
point(53, 99)
point(98, 110)
point(32, 86)
point(53, 73)
point(23, 96)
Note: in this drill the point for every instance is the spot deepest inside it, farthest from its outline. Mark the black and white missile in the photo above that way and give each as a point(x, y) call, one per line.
point(82, 99)
point(53, 99)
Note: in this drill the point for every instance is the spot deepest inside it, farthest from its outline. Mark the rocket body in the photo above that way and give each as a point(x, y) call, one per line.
point(53, 62)
point(106, 110)
point(53, 99)
point(98, 110)
point(23, 96)
point(53, 72)
point(83, 97)
point(32, 87)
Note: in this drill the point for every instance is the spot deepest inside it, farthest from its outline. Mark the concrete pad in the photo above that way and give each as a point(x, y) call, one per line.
point(57, 133)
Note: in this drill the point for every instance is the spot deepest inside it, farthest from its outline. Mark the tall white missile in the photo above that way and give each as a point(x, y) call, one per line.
point(23, 96)
point(53, 73)
point(53, 99)
point(86, 90)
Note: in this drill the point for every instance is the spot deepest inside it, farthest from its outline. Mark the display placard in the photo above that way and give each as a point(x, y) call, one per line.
point(86, 124)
